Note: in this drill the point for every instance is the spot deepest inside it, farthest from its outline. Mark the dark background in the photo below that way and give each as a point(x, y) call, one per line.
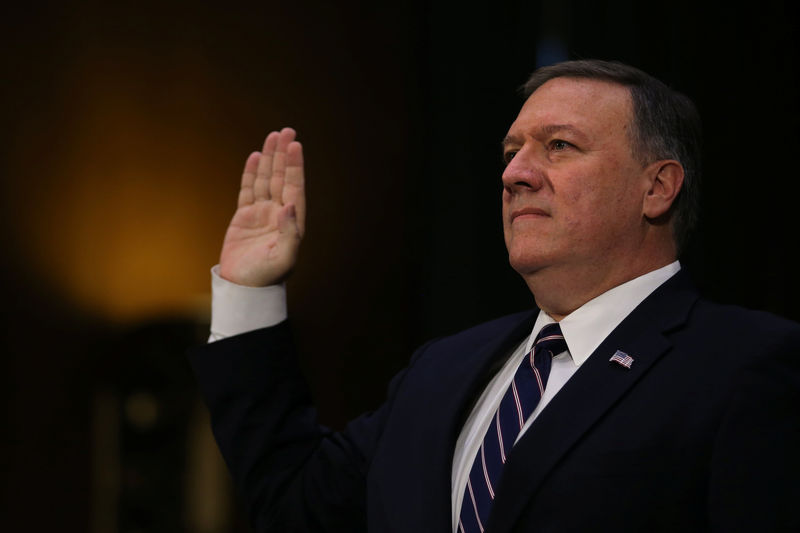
point(125, 127)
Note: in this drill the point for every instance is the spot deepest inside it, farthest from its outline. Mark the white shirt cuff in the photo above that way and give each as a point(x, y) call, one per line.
point(237, 309)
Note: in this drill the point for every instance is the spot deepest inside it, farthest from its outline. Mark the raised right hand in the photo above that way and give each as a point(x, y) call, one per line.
point(263, 238)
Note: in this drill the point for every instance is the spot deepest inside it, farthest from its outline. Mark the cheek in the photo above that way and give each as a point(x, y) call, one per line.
point(593, 198)
point(587, 211)
point(578, 207)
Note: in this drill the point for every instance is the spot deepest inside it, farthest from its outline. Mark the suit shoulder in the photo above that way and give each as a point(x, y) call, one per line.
point(743, 331)
point(715, 315)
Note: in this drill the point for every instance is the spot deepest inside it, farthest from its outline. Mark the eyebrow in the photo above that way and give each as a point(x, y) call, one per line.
point(510, 139)
point(549, 129)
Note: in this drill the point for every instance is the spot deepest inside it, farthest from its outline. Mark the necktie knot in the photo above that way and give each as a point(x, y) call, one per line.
point(550, 339)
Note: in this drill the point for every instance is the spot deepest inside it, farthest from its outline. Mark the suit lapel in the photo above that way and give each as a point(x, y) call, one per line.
point(591, 391)
point(473, 369)
point(447, 385)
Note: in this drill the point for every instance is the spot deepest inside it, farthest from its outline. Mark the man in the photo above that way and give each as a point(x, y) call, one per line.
point(622, 402)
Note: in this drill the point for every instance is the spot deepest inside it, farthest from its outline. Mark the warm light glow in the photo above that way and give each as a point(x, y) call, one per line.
point(131, 217)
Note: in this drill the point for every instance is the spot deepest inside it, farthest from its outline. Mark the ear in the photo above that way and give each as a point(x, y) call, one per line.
point(665, 180)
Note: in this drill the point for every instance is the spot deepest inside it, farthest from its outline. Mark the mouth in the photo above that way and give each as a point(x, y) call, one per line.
point(528, 213)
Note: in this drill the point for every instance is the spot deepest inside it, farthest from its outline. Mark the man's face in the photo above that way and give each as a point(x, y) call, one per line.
point(572, 191)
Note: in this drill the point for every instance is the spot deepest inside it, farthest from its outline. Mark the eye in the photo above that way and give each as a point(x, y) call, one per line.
point(558, 145)
point(508, 156)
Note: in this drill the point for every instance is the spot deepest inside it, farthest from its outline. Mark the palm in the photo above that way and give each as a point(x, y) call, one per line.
point(263, 238)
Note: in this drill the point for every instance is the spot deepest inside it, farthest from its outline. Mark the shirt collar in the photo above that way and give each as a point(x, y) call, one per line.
point(586, 327)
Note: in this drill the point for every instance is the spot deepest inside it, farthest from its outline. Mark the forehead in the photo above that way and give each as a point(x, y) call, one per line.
point(597, 108)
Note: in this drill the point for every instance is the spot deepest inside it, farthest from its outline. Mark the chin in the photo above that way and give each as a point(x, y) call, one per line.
point(526, 261)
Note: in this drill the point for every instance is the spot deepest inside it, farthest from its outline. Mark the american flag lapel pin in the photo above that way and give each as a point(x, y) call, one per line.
point(622, 358)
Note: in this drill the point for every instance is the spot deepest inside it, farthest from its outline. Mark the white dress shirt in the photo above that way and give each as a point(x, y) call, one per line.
point(583, 329)
point(237, 309)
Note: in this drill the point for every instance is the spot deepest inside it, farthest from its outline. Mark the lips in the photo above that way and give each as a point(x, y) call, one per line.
point(528, 212)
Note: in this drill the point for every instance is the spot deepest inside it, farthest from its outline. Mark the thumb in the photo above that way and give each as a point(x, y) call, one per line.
point(287, 222)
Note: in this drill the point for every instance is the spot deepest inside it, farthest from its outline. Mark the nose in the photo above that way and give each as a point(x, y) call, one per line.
point(523, 174)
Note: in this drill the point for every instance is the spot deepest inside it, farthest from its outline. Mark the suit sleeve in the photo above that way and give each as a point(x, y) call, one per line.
point(293, 474)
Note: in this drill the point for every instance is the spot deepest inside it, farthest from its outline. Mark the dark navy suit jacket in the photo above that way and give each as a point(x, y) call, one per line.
point(702, 433)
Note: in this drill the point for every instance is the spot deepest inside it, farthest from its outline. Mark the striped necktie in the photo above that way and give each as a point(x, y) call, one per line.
point(518, 403)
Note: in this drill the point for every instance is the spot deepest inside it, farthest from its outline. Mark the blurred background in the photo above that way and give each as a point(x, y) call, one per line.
point(125, 128)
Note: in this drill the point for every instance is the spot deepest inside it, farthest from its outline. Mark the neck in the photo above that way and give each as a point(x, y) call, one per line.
point(559, 291)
